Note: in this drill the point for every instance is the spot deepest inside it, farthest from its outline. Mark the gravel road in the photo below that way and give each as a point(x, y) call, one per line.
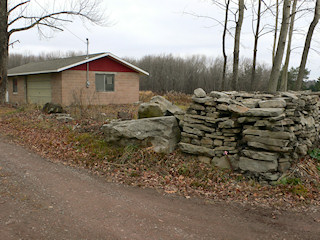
point(40, 199)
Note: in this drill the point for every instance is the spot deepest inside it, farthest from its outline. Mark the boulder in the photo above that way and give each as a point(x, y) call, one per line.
point(162, 133)
point(52, 108)
point(149, 110)
point(167, 107)
point(199, 93)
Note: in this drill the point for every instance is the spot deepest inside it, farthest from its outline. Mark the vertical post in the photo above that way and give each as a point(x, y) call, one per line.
point(87, 83)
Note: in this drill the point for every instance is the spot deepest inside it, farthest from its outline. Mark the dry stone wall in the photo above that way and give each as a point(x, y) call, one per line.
point(261, 134)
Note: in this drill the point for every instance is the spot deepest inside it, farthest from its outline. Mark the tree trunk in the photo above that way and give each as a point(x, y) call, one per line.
point(307, 46)
point(223, 80)
point(275, 71)
point(3, 50)
point(275, 31)
point(256, 38)
point(235, 75)
point(284, 77)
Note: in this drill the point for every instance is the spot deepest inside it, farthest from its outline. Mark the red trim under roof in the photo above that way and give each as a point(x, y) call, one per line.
point(104, 64)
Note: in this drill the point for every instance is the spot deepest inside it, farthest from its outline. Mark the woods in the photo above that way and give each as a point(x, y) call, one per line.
point(227, 70)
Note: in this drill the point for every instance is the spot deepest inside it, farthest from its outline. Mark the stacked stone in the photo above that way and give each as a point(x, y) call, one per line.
point(261, 133)
point(210, 128)
point(268, 140)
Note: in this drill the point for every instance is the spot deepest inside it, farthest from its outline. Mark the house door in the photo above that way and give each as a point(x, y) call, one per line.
point(39, 89)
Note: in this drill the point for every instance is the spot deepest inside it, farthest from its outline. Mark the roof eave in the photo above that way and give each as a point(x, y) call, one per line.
point(30, 73)
point(129, 65)
point(139, 70)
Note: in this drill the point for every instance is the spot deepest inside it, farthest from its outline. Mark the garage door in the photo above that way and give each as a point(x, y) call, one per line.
point(39, 89)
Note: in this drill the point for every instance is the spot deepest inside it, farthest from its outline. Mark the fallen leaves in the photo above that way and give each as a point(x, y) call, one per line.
point(79, 143)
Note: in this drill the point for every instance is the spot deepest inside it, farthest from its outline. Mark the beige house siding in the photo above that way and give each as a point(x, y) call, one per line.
point(69, 87)
point(20, 96)
point(56, 87)
point(74, 90)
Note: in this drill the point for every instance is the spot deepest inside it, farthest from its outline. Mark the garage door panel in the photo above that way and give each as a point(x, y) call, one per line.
point(39, 89)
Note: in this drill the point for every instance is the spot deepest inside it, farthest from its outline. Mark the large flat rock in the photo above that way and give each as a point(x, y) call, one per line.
point(196, 150)
point(264, 112)
point(248, 164)
point(162, 133)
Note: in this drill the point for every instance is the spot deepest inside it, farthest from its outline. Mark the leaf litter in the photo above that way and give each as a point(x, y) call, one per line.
point(80, 144)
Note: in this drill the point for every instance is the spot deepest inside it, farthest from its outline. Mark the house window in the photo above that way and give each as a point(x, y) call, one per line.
point(104, 82)
point(15, 85)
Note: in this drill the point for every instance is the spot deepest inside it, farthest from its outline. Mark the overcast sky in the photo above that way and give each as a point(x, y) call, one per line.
point(147, 27)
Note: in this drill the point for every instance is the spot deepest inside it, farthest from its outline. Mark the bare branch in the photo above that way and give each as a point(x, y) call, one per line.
point(37, 21)
point(17, 6)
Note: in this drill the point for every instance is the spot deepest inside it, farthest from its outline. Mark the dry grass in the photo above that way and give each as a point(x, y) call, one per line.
point(103, 113)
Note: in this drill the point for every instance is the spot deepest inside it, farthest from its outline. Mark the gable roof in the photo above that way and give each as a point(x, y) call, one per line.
point(61, 64)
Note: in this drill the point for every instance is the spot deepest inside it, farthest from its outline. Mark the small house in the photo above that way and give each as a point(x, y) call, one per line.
point(96, 79)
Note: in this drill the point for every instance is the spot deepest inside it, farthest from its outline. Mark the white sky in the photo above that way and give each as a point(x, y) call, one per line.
point(147, 27)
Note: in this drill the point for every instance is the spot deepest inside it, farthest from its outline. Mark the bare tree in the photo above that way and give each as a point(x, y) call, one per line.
point(275, 31)
point(275, 72)
point(255, 47)
point(3, 50)
point(235, 74)
point(15, 18)
point(284, 77)
point(225, 58)
point(307, 44)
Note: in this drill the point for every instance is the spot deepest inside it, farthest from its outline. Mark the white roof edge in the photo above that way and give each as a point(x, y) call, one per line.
point(129, 64)
point(31, 73)
point(82, 62)
point(101, 56)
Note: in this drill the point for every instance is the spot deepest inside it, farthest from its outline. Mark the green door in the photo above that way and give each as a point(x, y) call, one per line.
point(39, 89)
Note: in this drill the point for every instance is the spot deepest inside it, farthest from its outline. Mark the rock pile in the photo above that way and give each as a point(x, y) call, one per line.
point(258, 133)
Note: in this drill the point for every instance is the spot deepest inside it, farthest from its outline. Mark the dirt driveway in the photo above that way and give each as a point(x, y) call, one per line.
point(44, 200)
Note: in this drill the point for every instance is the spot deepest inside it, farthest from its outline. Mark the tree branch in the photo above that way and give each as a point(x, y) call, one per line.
point(15, 7)
point(46, 17)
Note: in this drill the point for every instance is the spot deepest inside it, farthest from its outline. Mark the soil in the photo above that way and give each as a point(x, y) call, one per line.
point(40, 199)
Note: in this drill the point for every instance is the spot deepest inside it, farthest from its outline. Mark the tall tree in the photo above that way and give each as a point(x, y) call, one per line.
point(255, 47)
point(275, 31)
point(225, 58)
point(3, 49)
point(307, 44)
point(284, 77)
point(235, 75)
point(275, 72)
point(16, 19)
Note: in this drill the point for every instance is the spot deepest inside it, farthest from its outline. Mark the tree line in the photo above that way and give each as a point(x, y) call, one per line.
point(184, 74)
point(171, 73)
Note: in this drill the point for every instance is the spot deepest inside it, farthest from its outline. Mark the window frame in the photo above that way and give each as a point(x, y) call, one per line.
point(15, 86)
point(105, 74)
